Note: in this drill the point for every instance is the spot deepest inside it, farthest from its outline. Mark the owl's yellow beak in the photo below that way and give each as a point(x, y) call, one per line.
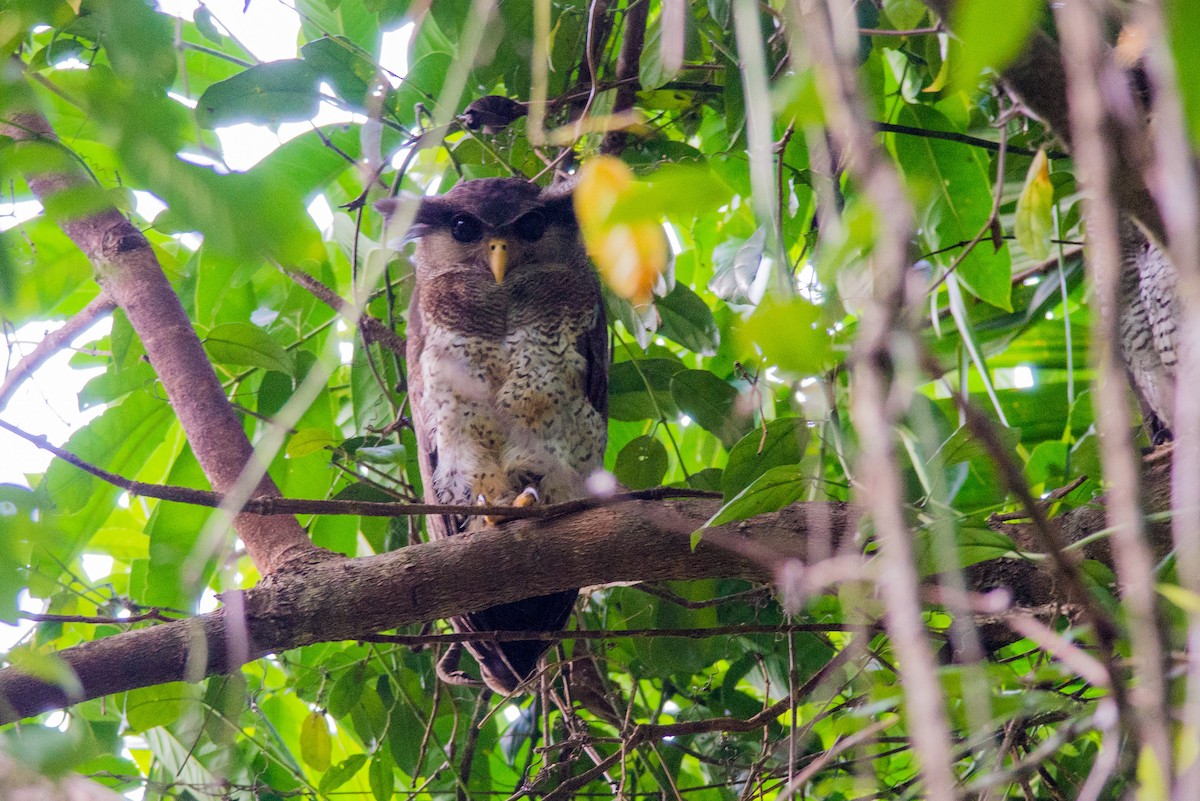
point(498, 257)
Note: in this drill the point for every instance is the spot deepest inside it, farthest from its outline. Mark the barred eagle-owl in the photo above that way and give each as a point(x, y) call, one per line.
point(508, 370)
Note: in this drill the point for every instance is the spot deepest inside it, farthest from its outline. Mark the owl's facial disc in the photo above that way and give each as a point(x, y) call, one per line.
point(498, 257)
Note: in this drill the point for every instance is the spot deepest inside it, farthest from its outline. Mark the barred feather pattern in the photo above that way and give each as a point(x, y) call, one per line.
point(1149, 326)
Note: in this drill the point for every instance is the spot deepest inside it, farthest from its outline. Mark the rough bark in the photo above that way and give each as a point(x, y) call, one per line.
point(344, 599)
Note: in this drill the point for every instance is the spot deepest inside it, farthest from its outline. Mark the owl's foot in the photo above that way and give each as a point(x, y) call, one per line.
point(448, 671)
point(528, 497)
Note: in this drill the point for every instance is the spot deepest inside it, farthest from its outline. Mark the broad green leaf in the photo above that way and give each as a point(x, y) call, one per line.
point(315, 743)
point(782, 442)
point(247, 345)
point(710, 402)
point(309, 440)
point(337, 60)
point(992, 35)
point(953, 180)
point(642, 463)
point(160, 705)
point(1035, 207)
point(641, 389)
point(382, 776)
point(394, 453)
point(271, 92)
point(770, 492)
point(964, 446)
point(342, 772)
point(790, 335)
point(686, 319)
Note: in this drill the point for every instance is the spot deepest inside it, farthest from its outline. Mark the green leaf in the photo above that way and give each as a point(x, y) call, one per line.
point(954, 181)
point(203, 18)
point(770, 492)
point(160, 705)
point(247, 345)
point(686, 319)
point(679, 191)
point(395, 453)
point(342, 772)
point(963, 446)
point(641, 389)
point(992, 35)
point(309, 440)
point(350, 71)
point(381, 775)
point(642, 463)
point(1035, 209)
point(711, 403)
point(271, 92)
point(315, 743)
point(782, 443)
point(790, 335)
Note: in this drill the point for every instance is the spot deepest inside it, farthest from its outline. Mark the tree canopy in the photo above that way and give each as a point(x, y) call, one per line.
point(879, 470)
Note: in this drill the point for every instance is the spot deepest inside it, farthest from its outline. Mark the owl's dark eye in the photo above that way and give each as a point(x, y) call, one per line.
point(465, 228)
point(531, 226)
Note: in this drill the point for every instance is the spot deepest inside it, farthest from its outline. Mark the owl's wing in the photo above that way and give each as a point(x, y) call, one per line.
point(439, 526)
point(594, 347)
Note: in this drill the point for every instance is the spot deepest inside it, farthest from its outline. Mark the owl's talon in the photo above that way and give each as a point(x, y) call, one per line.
point(528, 497)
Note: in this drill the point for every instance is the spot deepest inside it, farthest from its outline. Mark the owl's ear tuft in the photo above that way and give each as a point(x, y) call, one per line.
point(410, 217)
point(558, 202)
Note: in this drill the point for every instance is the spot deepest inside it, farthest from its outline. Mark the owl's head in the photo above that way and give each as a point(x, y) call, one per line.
point(500, 225)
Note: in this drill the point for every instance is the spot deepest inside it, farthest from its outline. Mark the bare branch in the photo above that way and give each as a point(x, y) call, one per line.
point(130, 275)
point(52, 343)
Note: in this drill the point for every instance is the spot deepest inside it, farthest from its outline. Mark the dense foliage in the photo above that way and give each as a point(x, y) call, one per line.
point(734, 380)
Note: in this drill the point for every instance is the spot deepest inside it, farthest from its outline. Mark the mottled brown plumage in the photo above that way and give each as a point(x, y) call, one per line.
point(1149, 316)
point(508, 365)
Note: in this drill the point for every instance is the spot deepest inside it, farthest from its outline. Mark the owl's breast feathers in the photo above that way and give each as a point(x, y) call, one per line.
point(504, 385)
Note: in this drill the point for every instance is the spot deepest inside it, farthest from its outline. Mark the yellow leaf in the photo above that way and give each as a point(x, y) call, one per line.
point(1186, 600)
point(1035, 220)
point(315, 743)
point(629, 256)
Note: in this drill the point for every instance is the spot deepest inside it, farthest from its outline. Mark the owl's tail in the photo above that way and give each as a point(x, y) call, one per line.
point(504, 666)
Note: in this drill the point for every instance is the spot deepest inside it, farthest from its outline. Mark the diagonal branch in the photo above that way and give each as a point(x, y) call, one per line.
point(131, 276)
point(52, 343)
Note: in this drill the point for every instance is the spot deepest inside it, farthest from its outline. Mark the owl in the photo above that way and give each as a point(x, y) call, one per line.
point(508, 379)
point(1148, 317)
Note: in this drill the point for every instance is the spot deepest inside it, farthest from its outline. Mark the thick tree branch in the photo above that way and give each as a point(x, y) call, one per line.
point(634, 541)
point(343, 599)
point(131, 276)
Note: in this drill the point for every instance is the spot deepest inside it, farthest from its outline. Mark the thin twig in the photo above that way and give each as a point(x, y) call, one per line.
point(52, 343)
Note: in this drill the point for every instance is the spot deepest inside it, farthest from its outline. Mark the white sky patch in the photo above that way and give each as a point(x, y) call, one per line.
point(346, 352)
point(208, 602)
point(393, 52)
point(13, 214)
point(182, 100)
point(512, 712)
point(148, 205)
point(1022, 376)
point(268, 29)
point(97, 566)
point(244, 144)
point(673, 239)
point(322, 214)
point(45, 404)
